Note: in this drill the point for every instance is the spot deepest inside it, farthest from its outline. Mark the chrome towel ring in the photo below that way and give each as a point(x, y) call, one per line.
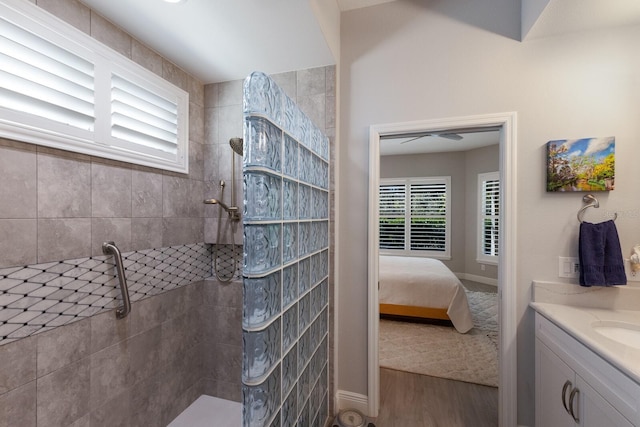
point(591, 202)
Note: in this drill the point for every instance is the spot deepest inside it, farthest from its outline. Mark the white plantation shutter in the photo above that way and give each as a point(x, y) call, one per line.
point(428, 216)
point(489, 217)
point(39, 78)
point(61, 88)
point(142, 117)
point(392, 216)
point(414, 216)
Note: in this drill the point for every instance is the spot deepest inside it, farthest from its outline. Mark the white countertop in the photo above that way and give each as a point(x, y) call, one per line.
point(577, 322)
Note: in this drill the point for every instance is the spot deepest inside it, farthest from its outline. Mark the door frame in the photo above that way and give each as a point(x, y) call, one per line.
point(507, 279)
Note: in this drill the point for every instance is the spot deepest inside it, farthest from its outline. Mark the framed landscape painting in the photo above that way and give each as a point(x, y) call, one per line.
point(586, 164)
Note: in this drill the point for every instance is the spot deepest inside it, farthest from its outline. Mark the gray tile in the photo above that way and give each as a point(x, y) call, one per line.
point(211, 125)
point(229, 123)
point(314, 107)
point(146, 194)
point(210, 163)
point(18, 189)
point(107, 330)
point(146, 233)
point(18, 407)
point(63, 395)
point(177, 338)
point(175, 75)
point(107, 33)
point(181, 231)
point(114, 413)
point(147, 314)
point(64, 187)
point(211, 95)
point(71, 11)
point(110, 371)
point(117, 230)
point(330, 73)
point(287, 82)
point(60, 239)
point(196, 91)
point(147, 401)
point(110, 191)
point(84, 421)
point(145, 354)
point(224, 326)
point(230, 93)
point(228, 362)
point(17, 364)
point(330, 112)
point(223, 294)
point(175, 197)
point(311, 82)
point(196, 197)
point(196, 124)
point(196, 160)
point(62, 346)
point(18, 245)
point(146, 57)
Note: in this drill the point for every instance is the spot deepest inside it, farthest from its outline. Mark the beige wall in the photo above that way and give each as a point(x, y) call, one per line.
point(467, 58)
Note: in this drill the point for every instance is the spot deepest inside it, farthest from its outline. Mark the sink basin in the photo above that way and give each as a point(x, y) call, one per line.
point(622, 332)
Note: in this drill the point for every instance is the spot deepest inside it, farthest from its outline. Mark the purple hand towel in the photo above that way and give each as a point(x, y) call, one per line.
point(600, 255)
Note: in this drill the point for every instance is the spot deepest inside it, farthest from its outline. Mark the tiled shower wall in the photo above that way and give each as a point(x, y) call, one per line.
point(57, 208)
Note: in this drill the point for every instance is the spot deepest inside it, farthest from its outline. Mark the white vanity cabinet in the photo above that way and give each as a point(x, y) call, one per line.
point(576, 387)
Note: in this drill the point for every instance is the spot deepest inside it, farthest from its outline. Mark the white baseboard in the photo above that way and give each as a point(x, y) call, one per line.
point(349, 400)
point(479, 279)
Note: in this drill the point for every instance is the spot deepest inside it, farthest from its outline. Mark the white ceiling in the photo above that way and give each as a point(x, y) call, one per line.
point(216, 40)
point(436, 144)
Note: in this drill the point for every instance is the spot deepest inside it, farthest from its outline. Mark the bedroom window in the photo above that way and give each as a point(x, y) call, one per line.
point(61, 88)
point(488, 217)
point(415, 216)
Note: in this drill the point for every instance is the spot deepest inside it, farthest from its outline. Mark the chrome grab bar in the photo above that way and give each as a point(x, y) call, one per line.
point(110, 248)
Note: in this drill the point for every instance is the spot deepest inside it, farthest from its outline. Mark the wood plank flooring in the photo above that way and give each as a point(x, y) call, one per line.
point(412, 400)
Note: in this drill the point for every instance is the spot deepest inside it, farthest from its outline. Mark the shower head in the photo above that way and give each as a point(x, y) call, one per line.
point(236, 145)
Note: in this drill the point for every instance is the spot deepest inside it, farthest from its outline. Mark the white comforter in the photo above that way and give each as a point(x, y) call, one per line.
point(424, 282)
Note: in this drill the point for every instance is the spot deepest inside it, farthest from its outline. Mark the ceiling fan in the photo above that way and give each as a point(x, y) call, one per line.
point(446, 135)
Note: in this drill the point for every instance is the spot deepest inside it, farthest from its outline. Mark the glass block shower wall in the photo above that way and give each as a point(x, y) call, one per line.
point(286, 261)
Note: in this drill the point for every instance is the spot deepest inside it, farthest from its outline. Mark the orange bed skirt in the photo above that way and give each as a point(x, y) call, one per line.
point(412, 311)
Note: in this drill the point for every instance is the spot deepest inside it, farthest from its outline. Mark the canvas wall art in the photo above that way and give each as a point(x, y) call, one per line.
point(586, 164)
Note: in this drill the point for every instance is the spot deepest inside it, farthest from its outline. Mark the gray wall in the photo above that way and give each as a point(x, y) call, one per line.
point(463, 167)
point(409, 60)
point(477, 161)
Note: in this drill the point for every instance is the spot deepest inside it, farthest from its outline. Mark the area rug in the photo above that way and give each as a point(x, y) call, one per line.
point(441, 351)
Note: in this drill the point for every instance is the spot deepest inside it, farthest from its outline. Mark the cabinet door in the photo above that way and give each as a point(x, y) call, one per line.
point(595, 411)
point(551, 376)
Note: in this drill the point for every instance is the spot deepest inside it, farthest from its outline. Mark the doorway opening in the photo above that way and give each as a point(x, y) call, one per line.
point(451, 129)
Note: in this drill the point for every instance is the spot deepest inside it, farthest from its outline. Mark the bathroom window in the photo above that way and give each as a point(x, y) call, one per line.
point(488, 217)
point(415, 216)
point(61, 88)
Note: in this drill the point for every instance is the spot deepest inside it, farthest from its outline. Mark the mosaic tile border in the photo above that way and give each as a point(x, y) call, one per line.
point(37, 298)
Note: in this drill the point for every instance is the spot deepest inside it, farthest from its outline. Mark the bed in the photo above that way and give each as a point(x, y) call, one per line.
point(422, 288)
